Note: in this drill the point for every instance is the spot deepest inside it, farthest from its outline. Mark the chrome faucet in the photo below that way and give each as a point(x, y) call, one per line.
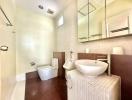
point(71, 52)
point(108, 61)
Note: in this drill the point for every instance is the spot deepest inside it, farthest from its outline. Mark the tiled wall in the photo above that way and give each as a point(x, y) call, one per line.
point(7, 58)
point(35, 39)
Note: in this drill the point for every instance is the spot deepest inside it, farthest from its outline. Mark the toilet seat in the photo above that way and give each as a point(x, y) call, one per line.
point(46, 67)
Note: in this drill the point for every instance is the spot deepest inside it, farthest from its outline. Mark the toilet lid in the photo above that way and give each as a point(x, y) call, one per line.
point(46, 67)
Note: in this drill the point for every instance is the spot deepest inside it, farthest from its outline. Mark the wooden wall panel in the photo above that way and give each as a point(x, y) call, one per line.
point(61, 58)
point(121, 65)
point(92, 56)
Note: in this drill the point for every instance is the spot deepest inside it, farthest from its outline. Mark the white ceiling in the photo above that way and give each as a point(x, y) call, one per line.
point(55, 5)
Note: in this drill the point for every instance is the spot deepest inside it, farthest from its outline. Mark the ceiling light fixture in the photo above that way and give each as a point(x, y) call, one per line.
point(48, 10)
point(41, 7)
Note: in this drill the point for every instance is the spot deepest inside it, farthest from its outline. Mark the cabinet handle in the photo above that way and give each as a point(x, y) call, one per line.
point(4, 48)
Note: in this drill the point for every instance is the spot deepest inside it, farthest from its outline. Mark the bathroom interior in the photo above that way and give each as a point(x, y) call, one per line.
point(65, 50)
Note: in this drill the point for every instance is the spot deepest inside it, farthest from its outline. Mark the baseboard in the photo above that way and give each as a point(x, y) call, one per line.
point(21, 77)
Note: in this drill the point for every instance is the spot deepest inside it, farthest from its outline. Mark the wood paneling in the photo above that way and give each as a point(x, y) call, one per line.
point(92, 56)
point(121, 65)
point(61, 58)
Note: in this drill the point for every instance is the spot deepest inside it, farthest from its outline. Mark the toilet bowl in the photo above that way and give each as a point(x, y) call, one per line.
point(47, 72)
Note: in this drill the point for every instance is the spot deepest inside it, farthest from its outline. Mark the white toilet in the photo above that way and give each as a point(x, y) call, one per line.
point(48, 72)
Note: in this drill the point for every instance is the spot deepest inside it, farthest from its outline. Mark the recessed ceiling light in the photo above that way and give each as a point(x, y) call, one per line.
point(50, 11)
point(40, 7)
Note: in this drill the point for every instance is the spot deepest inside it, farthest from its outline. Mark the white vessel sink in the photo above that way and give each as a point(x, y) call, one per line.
point(91, 67)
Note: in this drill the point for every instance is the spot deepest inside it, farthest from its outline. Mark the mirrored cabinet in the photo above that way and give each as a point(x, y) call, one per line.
point(83, 22)
point(103, 19)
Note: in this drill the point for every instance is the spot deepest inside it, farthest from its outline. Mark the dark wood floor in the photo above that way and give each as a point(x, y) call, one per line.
point(53, 89)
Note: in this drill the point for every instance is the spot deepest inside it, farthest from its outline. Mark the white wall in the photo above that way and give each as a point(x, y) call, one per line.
point(35, 40)
point(67, 36)
point(7, 59)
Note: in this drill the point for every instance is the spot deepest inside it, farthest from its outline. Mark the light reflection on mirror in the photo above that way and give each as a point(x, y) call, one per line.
point(95, 22)
point(119, 18)
point(91, 13)
point(83, 20)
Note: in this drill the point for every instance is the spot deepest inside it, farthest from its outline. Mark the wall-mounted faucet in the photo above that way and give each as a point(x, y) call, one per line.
point(108, 61)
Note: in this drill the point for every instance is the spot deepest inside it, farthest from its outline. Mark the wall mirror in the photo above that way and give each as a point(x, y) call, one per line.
point(103, 19)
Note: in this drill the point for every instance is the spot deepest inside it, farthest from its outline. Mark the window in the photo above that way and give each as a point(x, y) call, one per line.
point(60, 21)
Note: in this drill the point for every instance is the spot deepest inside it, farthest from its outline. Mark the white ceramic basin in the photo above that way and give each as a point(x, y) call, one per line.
point(91, 67)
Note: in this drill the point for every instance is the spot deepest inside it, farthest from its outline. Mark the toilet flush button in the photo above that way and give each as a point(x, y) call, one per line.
point(4, 48)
